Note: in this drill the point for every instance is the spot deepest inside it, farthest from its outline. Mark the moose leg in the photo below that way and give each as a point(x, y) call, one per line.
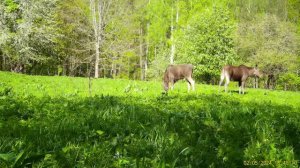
point(227, 80)
point(191, 82)
point(240, 87)
point(188, 84)
point(220, 85)
point(243, 87)
point(172, 84)
point(221, 81)
point(226, 85)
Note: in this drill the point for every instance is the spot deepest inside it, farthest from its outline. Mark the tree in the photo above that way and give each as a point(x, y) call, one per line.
point(208, 43)
point(100, 18)
point(158, 16)
point(27, 33)
point(269, 42)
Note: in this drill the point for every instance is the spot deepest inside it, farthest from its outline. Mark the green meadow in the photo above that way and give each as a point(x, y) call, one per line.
point(76, 122)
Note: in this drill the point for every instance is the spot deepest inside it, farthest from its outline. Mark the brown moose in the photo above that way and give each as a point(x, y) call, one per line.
point(240, 74)
point(174, 73)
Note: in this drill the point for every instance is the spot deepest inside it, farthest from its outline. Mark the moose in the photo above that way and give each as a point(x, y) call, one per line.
point(174, 73)
point(238, 73)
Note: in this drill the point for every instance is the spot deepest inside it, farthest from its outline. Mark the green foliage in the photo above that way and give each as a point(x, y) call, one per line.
point(139, 37)
point(159, 64)
point(11, 6)
point(27, 33)
point(270, 43)
point(158, 14)
point(56, 122)
point(289, 81)
point(208, 43)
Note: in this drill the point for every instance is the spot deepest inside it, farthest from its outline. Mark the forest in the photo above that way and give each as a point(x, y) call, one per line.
point(81, 83)
point(137, 39)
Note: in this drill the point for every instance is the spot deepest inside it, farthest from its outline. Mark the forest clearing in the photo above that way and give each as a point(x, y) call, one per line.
point(62, 122)
point(88, 83)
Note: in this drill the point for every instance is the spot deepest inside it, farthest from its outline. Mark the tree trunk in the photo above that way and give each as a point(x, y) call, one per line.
point(128, 67)
point(111, 70)
point(141, 53)
point(146, 67)
point(147, 52)
point(285, 87)
point(173, 47)
point(96, 34)
point(3, 63)
point(172, 40)
point(255, 83)
point(155, 58)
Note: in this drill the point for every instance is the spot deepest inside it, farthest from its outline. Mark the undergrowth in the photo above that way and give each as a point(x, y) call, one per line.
point(61, 122)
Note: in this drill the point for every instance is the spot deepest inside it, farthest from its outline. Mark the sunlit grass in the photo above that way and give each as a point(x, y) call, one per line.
point(62, 122)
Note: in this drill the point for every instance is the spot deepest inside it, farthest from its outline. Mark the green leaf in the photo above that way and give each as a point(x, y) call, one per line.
point(99, 132)
point(7, 157)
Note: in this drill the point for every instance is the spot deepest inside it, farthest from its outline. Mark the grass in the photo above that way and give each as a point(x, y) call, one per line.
point(60, 122)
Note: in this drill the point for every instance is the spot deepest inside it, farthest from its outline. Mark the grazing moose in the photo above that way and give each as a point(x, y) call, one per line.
point(240, 74)
point(174, 73)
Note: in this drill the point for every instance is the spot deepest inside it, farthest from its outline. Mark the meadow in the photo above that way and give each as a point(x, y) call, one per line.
point(73, 122)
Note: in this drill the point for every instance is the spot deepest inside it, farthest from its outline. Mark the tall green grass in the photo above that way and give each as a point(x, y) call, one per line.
point(62, 122)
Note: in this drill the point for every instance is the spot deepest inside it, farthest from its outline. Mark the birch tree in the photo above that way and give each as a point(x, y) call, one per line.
point(99, 19)
point(173, 47)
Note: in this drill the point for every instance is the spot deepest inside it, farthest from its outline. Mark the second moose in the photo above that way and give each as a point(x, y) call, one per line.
point(239, 73)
